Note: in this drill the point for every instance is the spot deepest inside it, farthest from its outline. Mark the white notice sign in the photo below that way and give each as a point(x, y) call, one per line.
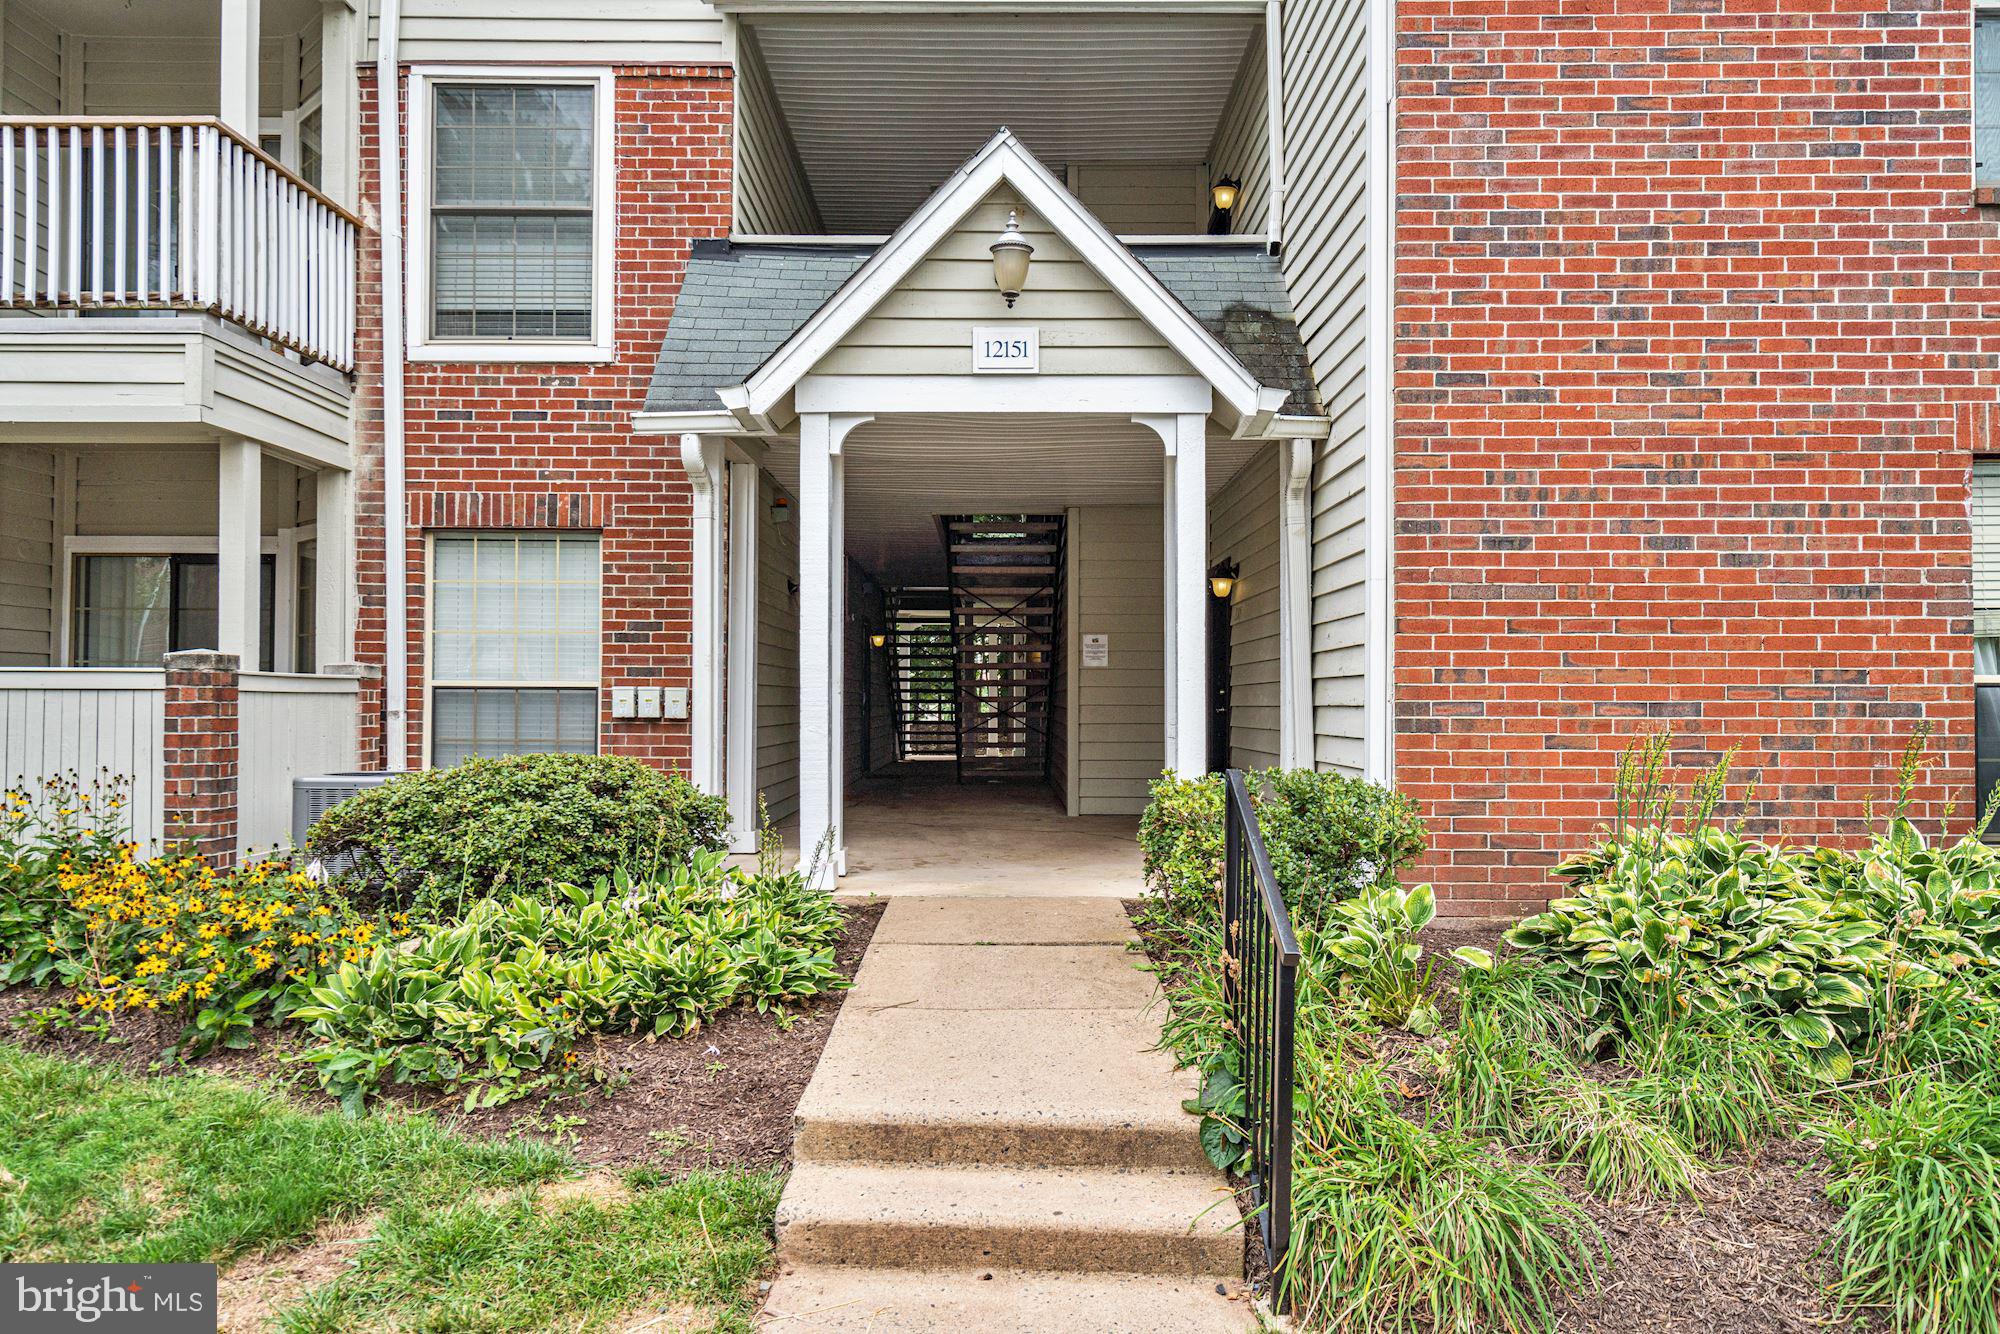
point(1097, 650)
point(1006, 348)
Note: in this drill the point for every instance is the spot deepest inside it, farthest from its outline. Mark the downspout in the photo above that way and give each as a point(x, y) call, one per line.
point(1381, 411)
point(1295, 716)
point(395, 538)
point(1274, 122)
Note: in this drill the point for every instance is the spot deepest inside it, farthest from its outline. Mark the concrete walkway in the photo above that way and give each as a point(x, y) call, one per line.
point(914, 829)
point(990, 1144)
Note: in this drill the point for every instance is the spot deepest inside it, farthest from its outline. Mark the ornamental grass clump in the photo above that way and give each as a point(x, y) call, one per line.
point(498, 1002)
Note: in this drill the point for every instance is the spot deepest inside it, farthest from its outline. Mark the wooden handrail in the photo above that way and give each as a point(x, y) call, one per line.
point(176, 122)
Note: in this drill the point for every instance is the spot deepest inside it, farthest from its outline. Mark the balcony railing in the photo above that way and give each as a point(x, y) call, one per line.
point(173, 214)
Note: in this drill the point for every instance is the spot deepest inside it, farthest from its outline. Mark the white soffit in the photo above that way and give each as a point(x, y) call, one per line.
point(902, 472)
point(884, 107)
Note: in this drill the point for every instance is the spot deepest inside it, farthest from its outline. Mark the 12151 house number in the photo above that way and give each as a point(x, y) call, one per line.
point(1015, 348)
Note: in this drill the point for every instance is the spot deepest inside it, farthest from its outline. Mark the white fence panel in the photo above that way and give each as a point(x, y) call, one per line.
point(87, 721)
point(289, 726)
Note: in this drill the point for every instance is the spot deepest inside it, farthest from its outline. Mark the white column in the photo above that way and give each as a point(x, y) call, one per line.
point(241, 23)
point(701, 456)
point(339, 100)
point(1187, 750)
point(740, 747)
point(817, 480)
point(1295, 720)
point(837, 646)
point(239, 539)
point(333, 568)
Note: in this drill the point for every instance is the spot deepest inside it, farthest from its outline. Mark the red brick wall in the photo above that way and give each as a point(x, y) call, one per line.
point(529, 446)
point(1692, 303)
point(198, 753)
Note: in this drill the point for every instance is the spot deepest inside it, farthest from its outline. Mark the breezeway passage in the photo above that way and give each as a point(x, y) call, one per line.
point(991, 1142)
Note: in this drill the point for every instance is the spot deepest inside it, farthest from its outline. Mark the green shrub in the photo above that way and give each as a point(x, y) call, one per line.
point(1330, 837)
point(499, 999)
point(519, 825)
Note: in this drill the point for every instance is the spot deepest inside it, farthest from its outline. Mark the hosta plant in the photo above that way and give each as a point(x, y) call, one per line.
point(1372, 940)
point(498, 1001)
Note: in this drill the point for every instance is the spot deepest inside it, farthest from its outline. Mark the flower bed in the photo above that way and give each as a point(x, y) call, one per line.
point(1698, 998)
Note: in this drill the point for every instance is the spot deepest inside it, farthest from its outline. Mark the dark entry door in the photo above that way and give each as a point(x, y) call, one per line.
point(1218, 683)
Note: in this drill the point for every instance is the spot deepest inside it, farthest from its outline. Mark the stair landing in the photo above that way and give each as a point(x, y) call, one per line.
point(990, 1143)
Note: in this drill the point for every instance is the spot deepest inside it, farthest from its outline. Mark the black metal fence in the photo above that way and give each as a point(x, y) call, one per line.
point(1262, 980)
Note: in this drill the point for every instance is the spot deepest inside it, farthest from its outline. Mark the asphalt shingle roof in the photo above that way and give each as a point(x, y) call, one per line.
point(738, 305)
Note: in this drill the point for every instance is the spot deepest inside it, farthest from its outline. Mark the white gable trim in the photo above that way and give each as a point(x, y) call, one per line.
point(1004, 161)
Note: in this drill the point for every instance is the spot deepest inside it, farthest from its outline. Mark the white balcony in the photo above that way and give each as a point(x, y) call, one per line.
point(173, 214)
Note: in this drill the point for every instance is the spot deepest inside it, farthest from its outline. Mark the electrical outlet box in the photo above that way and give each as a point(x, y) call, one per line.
point(674, 700)
point(649, 701)
point(624, 702)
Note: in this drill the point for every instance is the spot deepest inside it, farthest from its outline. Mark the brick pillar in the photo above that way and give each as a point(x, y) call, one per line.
point(199, 753)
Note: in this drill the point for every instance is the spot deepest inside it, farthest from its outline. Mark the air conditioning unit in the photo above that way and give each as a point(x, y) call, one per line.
point(314, 796)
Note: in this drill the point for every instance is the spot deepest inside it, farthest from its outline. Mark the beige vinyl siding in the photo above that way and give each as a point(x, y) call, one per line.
point(1325, 110)
point(624, 32)
point(777, 657)
point(1242, 146)
point(171, 492)
point(29, 545)
point(1116, 557)
point(1339, 614)
point(180, 76)
point(30, 62)
point(1244, 524)
point(924, 327)
point(1142, 199)
point(773, 197)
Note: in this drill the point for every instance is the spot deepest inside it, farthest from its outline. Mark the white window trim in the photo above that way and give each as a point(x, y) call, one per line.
point(602, 345)
point(89, 545)
point(432, 683)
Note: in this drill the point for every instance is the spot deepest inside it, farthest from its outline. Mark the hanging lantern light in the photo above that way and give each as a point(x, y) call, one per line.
point(1010, 260)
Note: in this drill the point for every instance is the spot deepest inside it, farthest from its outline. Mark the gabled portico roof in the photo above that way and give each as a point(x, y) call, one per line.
point(753, 319)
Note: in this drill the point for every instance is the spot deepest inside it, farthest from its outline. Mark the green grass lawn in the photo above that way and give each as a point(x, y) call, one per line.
point(105, 1166)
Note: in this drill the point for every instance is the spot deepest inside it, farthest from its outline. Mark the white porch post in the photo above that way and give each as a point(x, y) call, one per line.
point(1185, 572)
point(340, 49)
point(1187, 750)
point(702, 457)
point(239, 534)
point(740, 748)
point(333, 568)
point(822, 544)
point(241, 23)
point(1295, 717)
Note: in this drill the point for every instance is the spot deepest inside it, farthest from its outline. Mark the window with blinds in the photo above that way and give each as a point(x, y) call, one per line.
point(1986, 97)
point(514, 645)
point(511, 211)
point(1986, 566)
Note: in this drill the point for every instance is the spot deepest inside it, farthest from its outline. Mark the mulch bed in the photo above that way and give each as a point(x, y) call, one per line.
point(725, 1097)
point(1750, 1257)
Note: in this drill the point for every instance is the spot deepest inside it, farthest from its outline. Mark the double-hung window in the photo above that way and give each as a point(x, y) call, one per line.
point(1986, 624)
point(1986, 96)
point(511, 178)
point(514, 644)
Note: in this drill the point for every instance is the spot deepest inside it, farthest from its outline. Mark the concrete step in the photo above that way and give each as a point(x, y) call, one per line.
point(1080, 1220)
point(819, 1299)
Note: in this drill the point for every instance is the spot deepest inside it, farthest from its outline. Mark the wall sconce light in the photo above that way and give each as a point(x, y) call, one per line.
point(1223, 195)
point(1010, 260)
point(878, 639)
point(1222, 579)
point(781, 510)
